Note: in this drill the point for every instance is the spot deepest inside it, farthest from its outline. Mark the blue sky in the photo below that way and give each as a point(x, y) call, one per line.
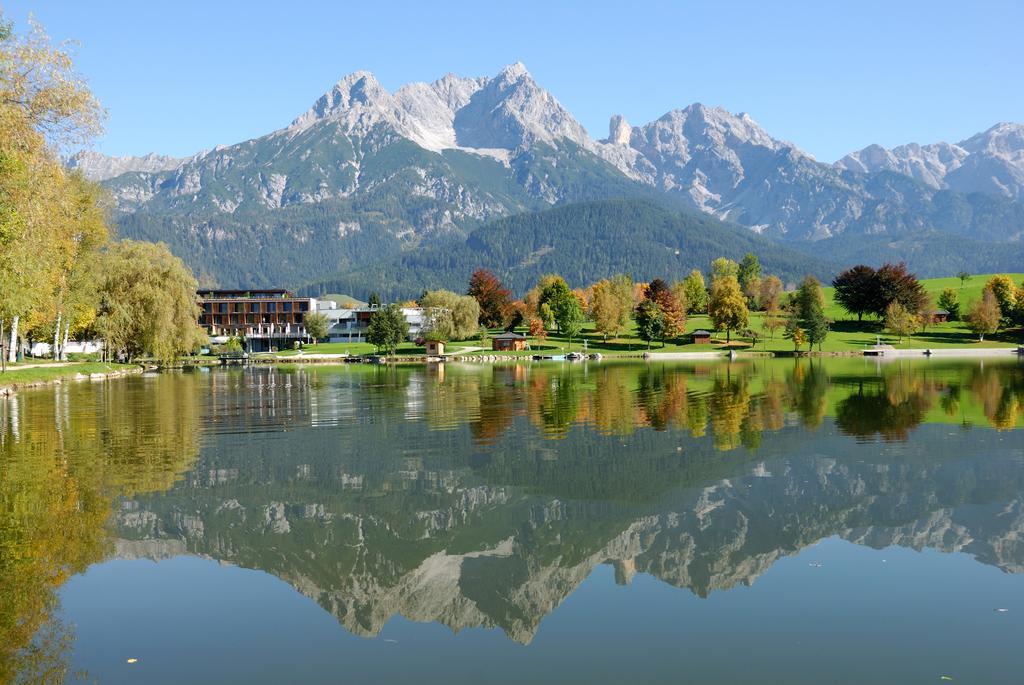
point(831, 75)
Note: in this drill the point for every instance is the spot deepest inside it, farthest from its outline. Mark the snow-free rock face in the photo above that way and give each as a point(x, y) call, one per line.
point(96, 166)
point(991, 162)
point(433, 160)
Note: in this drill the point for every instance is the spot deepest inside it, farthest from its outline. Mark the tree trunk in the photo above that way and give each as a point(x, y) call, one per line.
point(64, 344)
point(12, 351)
point(3, 357)
point(55, 350)
point(728, 336)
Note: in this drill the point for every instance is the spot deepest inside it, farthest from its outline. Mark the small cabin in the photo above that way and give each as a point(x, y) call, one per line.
point(508, 342)
point(940, 316)
point(435, 348)
point(701, 337)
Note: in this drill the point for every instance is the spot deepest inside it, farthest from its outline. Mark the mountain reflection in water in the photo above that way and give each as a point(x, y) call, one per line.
point(485, 495)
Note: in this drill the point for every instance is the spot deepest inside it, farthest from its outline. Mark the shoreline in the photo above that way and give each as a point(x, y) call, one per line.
point(73, 373)
point(719, 355)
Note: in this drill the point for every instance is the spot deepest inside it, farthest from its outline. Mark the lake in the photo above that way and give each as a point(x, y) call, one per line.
point(769, 521)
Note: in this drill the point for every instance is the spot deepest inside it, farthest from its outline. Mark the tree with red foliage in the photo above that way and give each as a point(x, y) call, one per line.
point(673, 311)
point(494, 298)
point(857, 290)
point(896, 284)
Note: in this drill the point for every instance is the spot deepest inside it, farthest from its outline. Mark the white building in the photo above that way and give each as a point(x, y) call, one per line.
point(350, 324)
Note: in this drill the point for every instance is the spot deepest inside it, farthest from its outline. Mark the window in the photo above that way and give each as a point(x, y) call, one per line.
point(303, 306)
point(222, 307)
point(254, 307)
point(286, 306)
point(271, 306)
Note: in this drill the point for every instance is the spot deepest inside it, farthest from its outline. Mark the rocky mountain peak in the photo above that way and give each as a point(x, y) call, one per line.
point(511, 111)
point(619, 130)
point(1004, 139)
point(513, 72)
point(359, 91)
point(97, 166)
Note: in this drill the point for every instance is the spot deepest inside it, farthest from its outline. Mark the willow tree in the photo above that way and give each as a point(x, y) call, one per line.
point(147, 302)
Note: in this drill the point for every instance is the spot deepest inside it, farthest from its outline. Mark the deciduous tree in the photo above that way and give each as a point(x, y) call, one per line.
point(984, 316)
point(900, 321)
point(650, 322)
point(316, 326)
point(856, 290)
point(147, 302)
point(387, 329)
point(696, 293)
point(727, 306)
point(494, 298)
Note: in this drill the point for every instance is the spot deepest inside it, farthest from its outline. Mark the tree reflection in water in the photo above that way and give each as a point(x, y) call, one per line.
point(516, 480)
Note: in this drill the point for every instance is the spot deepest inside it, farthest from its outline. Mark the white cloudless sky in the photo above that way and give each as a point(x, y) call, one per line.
point(830, 75)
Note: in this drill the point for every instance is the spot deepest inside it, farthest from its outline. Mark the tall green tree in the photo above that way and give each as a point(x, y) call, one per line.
point(749, 277)
point(949, 300)
point(696, 293)
point(810, 311)
point(569, 317)
point(147, 302)
point(650, 322)
point(316, 325)
point(387, 329)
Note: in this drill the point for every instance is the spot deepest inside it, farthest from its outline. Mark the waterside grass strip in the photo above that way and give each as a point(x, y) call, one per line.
point(16, 378)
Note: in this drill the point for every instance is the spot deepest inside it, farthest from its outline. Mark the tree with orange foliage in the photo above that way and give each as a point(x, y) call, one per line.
point(494, 298)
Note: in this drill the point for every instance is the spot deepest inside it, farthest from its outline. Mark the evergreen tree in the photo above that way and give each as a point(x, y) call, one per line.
point(949, 300)
point(810, 312)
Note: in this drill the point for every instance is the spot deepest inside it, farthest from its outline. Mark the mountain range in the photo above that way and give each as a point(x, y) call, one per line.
point(366, 179)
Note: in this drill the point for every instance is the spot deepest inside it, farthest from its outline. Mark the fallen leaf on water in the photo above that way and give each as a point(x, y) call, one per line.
point(945, 677)
point(133, 660)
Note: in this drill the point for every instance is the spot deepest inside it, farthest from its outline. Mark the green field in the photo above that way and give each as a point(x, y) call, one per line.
point(847, 335)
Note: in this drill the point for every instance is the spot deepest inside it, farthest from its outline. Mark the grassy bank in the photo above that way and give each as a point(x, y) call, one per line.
point(49, 372)
point(846, 336)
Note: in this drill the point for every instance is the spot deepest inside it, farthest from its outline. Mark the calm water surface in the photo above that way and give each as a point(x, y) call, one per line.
point(833, 521)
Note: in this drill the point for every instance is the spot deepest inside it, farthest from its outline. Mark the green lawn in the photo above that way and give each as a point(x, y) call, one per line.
point(846, 335)
point(16, 376)
point(969, 293)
